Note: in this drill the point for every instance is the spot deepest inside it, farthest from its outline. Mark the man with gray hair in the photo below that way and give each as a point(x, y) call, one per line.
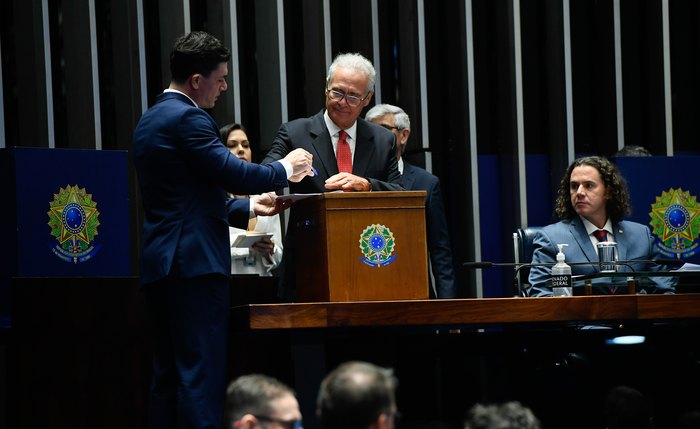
point(414, 178)
point(357, 395)
point(349, 154)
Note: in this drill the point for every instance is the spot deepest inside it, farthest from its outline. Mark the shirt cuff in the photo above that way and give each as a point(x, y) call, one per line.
point(287, 167)
point(251, 208)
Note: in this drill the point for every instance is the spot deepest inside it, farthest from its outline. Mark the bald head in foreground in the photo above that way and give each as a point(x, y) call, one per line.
point(357, 395)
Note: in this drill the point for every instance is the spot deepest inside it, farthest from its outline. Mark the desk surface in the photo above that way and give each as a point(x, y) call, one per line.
point(484, 311)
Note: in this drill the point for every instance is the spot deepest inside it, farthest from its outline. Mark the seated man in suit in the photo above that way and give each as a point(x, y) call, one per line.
point(592, 201)
point(414, 178)
point(349, 154)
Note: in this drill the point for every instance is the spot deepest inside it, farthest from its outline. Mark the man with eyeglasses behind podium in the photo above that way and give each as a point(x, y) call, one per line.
point(349, 153)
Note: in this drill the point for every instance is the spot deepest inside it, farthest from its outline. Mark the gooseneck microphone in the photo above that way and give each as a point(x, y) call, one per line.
point(475, 265)
point(517, 266)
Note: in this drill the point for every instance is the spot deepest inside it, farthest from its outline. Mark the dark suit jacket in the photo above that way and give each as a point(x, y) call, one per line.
point(415, 178)
point(634, 241)
point(184, 172)
point(375, 160)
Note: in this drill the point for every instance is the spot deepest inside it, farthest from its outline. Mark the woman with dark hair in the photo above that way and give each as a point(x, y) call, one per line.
point(265, 254)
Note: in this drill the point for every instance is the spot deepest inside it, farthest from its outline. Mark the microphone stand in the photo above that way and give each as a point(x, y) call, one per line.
point(517, 266)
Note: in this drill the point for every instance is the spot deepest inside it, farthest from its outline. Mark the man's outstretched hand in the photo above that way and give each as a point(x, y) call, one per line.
point(268, 204)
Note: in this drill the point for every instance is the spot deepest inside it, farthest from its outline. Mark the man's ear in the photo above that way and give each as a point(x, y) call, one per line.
point(194, 80)
point(248, 421)
point(404, 136)
point(384, 421)
point(368, 99)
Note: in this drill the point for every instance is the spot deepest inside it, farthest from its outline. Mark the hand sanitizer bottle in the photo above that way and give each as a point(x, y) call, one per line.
point(561, 275)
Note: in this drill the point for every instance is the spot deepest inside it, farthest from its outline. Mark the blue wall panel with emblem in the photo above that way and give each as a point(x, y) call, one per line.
point(664, 192)
point(65, 215)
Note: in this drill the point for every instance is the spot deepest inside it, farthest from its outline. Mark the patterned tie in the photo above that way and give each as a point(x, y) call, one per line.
point(343, 154)
point(601, 235)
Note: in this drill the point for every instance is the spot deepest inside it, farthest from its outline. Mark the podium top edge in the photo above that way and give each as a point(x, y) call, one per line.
point(375, 194)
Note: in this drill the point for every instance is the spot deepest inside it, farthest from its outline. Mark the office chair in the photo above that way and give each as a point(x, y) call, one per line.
point(522, 252)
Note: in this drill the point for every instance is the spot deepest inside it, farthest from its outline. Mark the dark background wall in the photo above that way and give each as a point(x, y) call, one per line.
point(502, 96)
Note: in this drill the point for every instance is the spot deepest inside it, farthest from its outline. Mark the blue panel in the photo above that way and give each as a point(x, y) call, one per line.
point(540, 203)
point(41, 175)
point(495, 279)
point(84, 193)
point(649, 177)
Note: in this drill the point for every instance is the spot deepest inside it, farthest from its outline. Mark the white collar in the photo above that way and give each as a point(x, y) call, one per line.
point(333, 129)
point(180, 92)
point(590, 228)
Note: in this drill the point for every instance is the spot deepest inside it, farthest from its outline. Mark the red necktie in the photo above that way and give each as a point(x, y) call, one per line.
point(343, 154)
point(600, 235)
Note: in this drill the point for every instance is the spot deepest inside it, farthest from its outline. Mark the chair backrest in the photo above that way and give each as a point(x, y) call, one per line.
point(522, 251)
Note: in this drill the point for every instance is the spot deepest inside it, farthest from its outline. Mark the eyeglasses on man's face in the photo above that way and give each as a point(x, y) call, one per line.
point(389, 127)
point(287, 424)
point(338, 96)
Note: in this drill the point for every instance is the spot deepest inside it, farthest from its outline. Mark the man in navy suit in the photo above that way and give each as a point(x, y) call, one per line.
point(414, 178)
point(184, 172)
point(593, 197)
point(328, 136)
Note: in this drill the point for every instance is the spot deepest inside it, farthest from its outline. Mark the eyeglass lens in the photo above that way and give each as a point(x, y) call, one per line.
point(338, 96)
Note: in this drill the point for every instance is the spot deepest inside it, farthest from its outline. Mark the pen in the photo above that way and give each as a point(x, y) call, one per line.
point(314, 170)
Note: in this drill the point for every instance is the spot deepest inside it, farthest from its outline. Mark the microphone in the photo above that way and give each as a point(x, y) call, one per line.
point(517, 286)
point(476, 265)
point(517, 266)
point(663, 261)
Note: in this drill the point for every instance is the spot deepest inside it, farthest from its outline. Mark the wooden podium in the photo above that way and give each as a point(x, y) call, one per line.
point(362, 246)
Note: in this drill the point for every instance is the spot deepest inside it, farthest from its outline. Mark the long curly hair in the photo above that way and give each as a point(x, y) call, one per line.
point(618, 199)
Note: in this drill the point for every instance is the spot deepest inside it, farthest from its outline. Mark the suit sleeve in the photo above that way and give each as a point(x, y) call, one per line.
point(393, 177)
point(206, 153)
point(238, 210)
point(439, 243)
point(543, 252)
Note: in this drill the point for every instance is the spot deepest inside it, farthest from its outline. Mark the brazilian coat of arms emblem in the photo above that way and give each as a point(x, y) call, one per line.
point(73, 219)
point(377, 245)
point(675, 223)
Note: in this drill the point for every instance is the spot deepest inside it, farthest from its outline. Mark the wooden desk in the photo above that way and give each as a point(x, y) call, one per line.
point(454, 312)
point(449, 354)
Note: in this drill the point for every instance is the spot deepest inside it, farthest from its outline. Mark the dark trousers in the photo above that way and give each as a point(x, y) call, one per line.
point(190, 321)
